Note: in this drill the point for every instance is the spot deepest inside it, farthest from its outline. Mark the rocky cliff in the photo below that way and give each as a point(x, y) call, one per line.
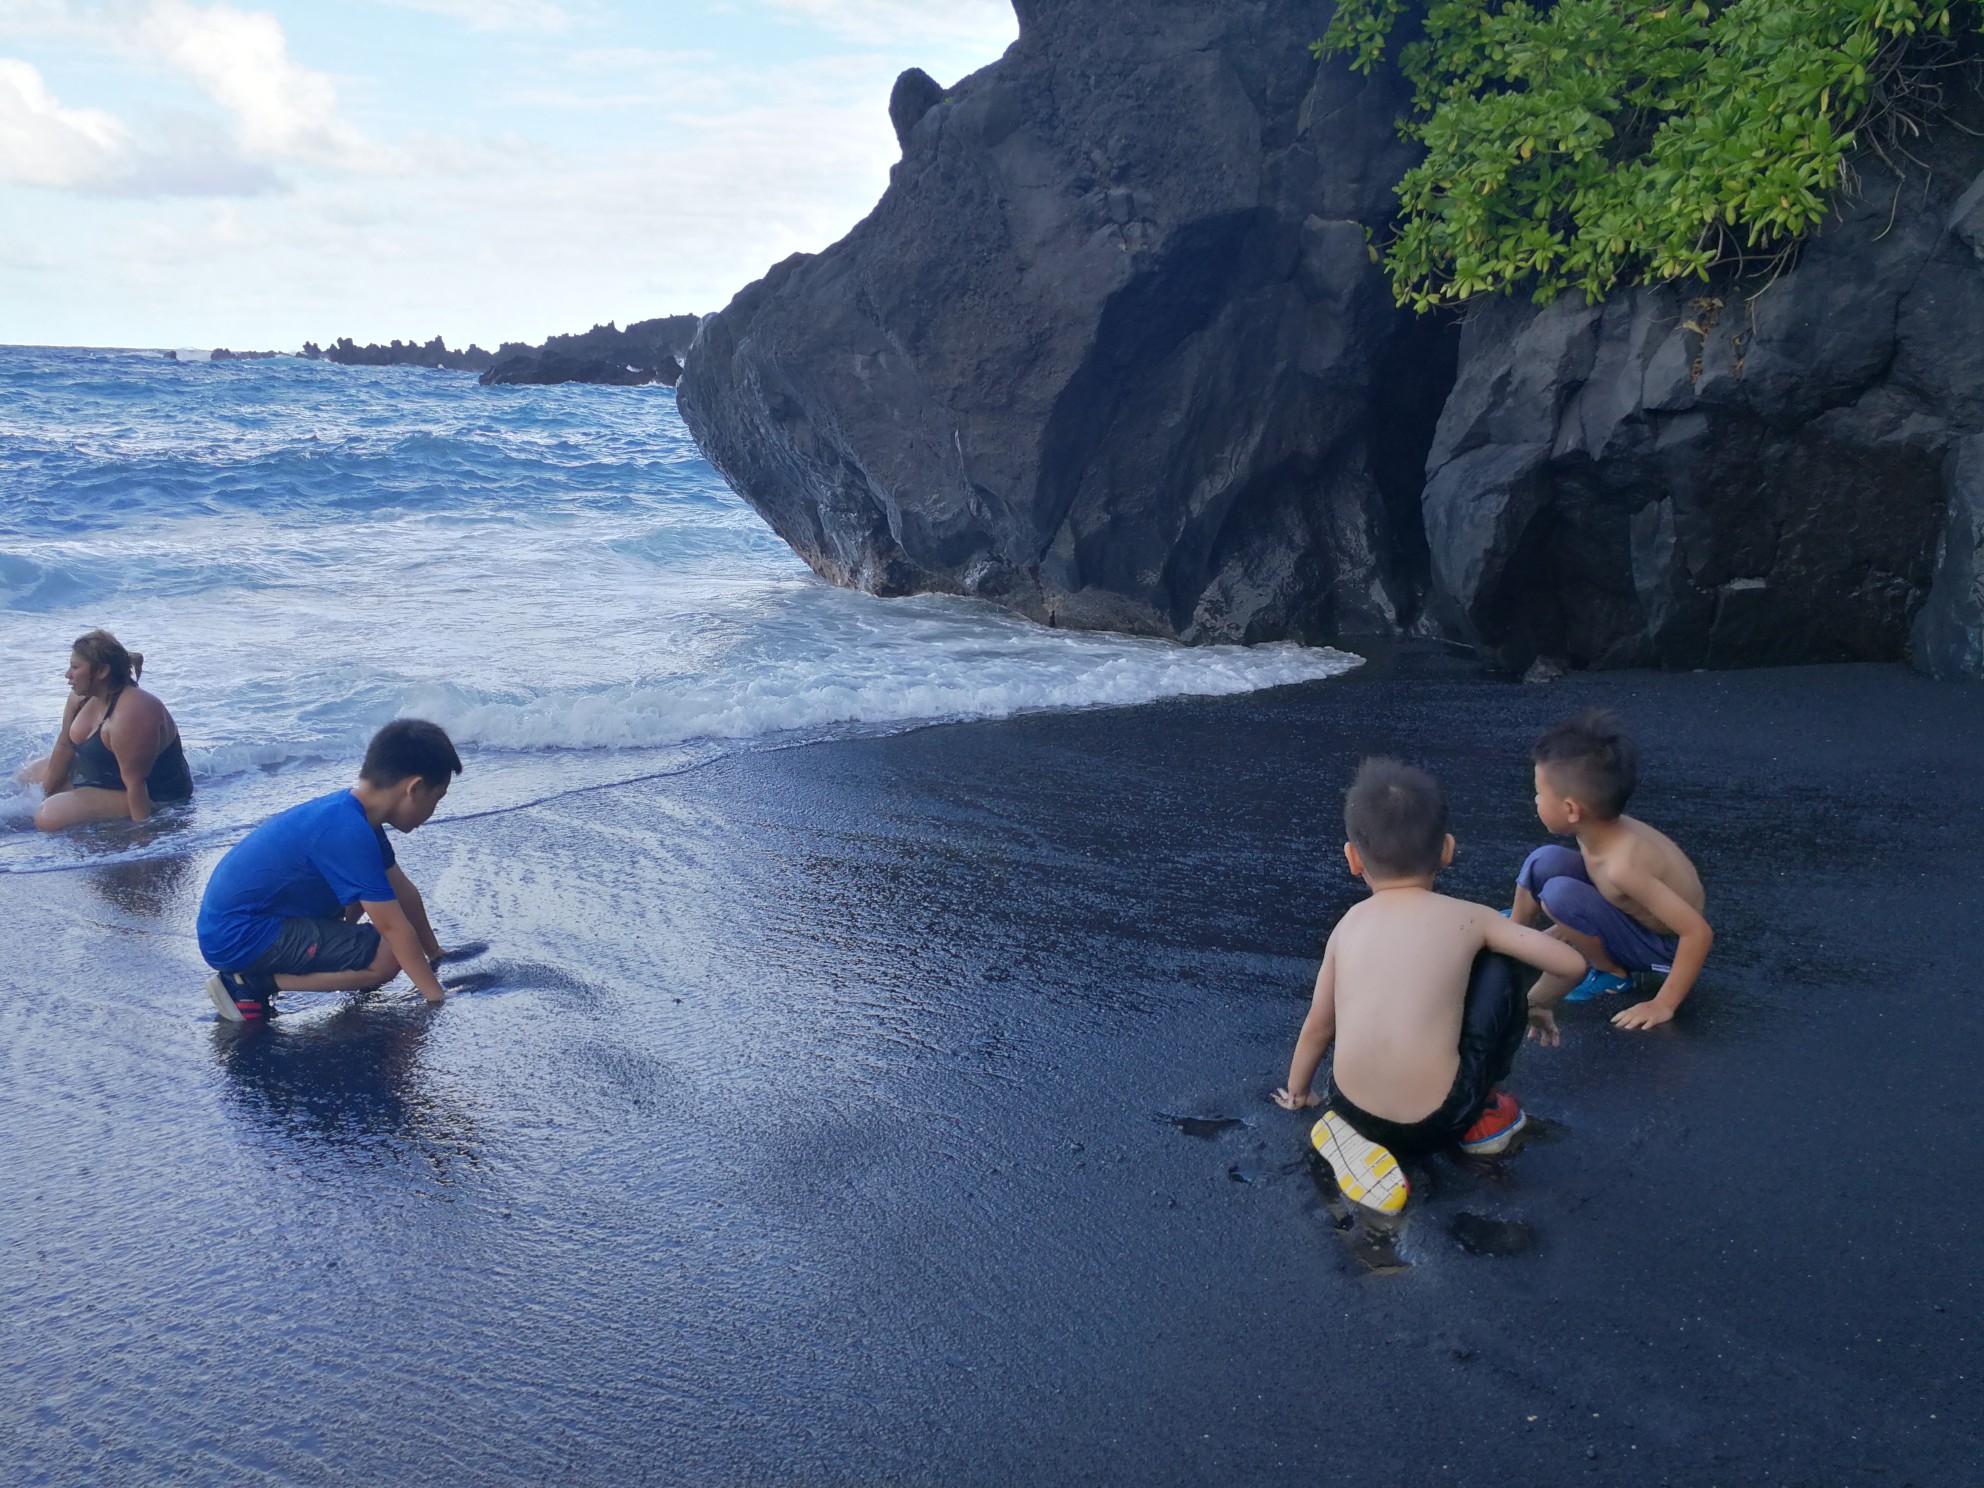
point(647, 351)
point(1736, 474)
point(1112, 350)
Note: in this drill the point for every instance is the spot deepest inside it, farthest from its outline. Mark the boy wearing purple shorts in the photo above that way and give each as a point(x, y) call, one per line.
point(1627, 899)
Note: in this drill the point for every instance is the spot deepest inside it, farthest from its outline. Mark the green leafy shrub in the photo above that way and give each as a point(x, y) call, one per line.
point(1590, 143)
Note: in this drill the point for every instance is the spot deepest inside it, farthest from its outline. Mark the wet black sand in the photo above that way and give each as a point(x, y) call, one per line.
point(809, 1123)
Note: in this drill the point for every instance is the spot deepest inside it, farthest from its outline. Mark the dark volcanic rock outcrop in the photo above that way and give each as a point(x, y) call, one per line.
point(1733, 475)
point(647, 351)
point(1949, 633)
point(1112, 350)
point(914, 95)
point(346, 353)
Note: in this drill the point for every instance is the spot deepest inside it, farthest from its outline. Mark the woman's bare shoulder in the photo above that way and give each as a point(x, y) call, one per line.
point(135, 709)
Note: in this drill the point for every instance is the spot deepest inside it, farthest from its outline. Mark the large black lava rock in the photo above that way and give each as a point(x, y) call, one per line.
point(1732, 475)
point(1112, 350)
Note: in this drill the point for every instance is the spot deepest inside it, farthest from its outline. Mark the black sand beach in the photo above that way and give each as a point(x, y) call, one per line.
point(810, 1121)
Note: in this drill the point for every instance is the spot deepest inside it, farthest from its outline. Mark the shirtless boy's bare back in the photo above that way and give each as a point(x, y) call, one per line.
point(1424, 1024)
point(1391, 985)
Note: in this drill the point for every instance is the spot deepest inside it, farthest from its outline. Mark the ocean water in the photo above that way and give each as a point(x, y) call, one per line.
point(555, 575)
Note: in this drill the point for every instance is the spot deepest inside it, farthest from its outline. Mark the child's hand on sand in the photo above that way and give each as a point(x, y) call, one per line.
point(1543, 1027)
point(1649, 1014)
point(1300, 1102)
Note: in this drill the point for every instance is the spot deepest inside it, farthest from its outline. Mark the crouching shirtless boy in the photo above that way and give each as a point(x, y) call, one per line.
point(280, 912)
point(1626, 897)
point(1425, 1014)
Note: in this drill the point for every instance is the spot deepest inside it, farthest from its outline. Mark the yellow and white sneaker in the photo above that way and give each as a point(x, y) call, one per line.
point(1367, 1173)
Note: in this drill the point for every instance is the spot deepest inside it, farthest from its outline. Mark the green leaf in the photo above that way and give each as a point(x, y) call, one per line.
point(1593, 143)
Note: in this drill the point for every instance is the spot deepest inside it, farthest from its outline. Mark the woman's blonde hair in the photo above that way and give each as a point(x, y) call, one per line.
point(102, 649)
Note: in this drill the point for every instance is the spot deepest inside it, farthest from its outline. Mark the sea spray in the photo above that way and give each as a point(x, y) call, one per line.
point(304, 551)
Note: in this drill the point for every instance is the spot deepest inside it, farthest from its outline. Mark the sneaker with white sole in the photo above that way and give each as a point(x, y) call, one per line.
point(1367, 1173)
point(1495, 1127)
point(1598, 983)
point(233, 1001)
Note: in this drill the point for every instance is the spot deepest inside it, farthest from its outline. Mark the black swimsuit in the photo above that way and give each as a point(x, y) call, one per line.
point(96, 766)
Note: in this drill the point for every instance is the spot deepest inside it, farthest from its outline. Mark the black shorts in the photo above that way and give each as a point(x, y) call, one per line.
point(304, 947)
point(1492, 1023)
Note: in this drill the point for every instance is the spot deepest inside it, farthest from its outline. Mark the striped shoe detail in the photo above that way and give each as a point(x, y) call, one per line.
point(233, 1001)
point(1367, 1173)
point(223, 999)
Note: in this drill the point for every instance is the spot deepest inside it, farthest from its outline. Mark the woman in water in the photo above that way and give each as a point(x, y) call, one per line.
point(118, 753)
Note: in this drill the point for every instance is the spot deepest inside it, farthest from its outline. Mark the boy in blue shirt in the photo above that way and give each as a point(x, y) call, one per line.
point(281, 910)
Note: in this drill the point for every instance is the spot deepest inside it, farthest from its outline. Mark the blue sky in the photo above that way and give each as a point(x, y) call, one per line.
point(179, 173)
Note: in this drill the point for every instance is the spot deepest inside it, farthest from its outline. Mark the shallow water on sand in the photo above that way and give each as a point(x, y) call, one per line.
point(896, 1111)
point(555, 575)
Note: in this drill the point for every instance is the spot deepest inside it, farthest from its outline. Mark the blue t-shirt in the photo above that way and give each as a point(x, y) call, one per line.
point(306, 863)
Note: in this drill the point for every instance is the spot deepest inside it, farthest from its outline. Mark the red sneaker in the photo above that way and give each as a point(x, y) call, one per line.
point(1496, 1127)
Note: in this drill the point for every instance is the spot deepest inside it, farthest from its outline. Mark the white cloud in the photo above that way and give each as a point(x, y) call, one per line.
point(276, 112)
point(240, 59)
point(41, 19)
point(186, 154)
point(515, 240)
point(983, 24)
point(733, 147)
point(44, 144)
point(496, 15)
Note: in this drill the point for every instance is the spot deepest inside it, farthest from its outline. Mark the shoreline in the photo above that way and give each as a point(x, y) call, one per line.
point(814, 1118)
point(645, 761)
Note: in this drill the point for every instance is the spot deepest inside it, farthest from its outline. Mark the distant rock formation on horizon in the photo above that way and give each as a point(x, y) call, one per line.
point(1114, 350)
point(648, 351)
point(222, 354)
point(346, 353)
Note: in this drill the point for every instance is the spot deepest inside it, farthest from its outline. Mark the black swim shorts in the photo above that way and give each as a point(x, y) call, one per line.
point(304, 947)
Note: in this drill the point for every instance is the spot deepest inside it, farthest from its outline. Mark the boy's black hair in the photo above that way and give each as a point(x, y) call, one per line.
point(1593, 760)
point(410, 746)
point(1395, 815)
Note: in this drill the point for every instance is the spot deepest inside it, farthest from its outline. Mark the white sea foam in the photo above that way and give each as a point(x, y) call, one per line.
point(223, 761)
point(811, 693)
point(305, 551)
point(17, 801)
